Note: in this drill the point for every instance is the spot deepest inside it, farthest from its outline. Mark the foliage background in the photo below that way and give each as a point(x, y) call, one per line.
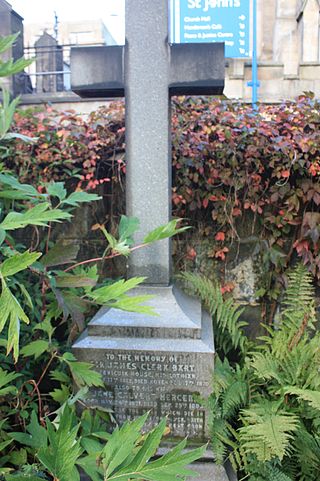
point(245, 181)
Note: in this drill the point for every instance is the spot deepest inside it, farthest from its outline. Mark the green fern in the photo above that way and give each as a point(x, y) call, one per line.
point(230, 394)
point(270, 471)
point(299, 295)
point(312, 397)
point(228, 327)
point(267, 431)
point(265, 410)
point(307, 454)
point(298, 314)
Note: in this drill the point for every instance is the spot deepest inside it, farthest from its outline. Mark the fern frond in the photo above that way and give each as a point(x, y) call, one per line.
point(230, 389)
point(299, 294)
point(269, 471)
point(312, 397)
point(225, 313)
point(265, 366)
point(298, 300)
point(268, 431)
point(275, 474)
point(307, 453)
point(220, 439)
point(300, 366)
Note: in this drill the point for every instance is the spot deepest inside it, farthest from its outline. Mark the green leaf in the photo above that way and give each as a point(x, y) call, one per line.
point(13, 335)
point(11, 309)
point(38, 215)
point(15, 135)
point(57, 189)
point(127, 227)
point(13, 195)
point(121, 248)
point(7, 41)
point(79, 197)
point(5, 306)
point(7, 110)
point(63, 450)
point(36, 435)
point(90, 466)
point(112, 292)
point(134, 304)
point(35, 348)
point(25, 189)
point(312, 397)
point(45, 326)
point(18, 262)
point(267, 431)
point(60, 253)
point(26, 295)
point(70, 280)
point(4, 444)
point(127, 455)
point(164, 231)
point(60, 376)
point(2, 236)
point(22, 477)
point(149, 447)
point(84, 375)
point(6, 378)
point(18, 457)
point(121, 444)
point(61, 395)
point(11, 68)
point(113, 295)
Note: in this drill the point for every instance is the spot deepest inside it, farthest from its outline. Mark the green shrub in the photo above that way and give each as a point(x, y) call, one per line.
point(265, 407)
point(237, 174)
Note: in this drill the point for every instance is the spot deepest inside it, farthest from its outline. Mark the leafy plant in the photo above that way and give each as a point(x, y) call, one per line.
point(236, 176)
point(228, 327)
point(265, 407)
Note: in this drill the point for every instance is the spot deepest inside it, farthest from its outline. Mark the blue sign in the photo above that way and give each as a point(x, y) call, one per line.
point(227, 21)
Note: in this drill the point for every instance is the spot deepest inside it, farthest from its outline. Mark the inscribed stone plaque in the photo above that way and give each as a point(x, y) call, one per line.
point(157, 374)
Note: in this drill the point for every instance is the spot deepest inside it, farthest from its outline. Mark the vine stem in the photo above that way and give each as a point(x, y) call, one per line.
point(103, 258)
point(35, 389)
point(53, 356)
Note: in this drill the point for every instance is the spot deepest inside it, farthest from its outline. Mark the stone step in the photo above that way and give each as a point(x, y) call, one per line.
point(206, 471)
point(181, 321)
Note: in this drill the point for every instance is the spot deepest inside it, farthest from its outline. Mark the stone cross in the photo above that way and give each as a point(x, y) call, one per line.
point(148, 70)
point(151, 363)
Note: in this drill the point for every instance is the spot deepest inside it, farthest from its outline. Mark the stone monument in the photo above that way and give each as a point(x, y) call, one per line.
point(151, 363)
point(49, 58)
point(10, 23)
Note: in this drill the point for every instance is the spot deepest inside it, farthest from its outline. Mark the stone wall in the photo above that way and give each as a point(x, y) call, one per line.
point(288, 52)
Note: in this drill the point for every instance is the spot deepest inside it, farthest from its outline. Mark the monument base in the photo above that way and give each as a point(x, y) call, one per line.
point(208, 471)
point(158, 364)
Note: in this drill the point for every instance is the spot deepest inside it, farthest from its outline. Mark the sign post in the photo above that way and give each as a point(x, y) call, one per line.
point(255, 84)
point(228, 21)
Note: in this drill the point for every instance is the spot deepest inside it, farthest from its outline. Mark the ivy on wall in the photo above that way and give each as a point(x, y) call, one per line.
point(232, 168)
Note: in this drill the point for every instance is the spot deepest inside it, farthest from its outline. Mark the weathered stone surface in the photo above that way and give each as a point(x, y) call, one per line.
point(154, 371)
point(153, 364)
point(209, 472)
point(97, 71)
point(11, 22)
point(179, 317)
point(205, 72)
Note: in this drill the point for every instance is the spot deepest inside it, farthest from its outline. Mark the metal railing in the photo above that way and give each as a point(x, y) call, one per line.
point(50, 72)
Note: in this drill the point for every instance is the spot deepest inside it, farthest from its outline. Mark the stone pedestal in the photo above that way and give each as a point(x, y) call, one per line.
point(157, 364)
